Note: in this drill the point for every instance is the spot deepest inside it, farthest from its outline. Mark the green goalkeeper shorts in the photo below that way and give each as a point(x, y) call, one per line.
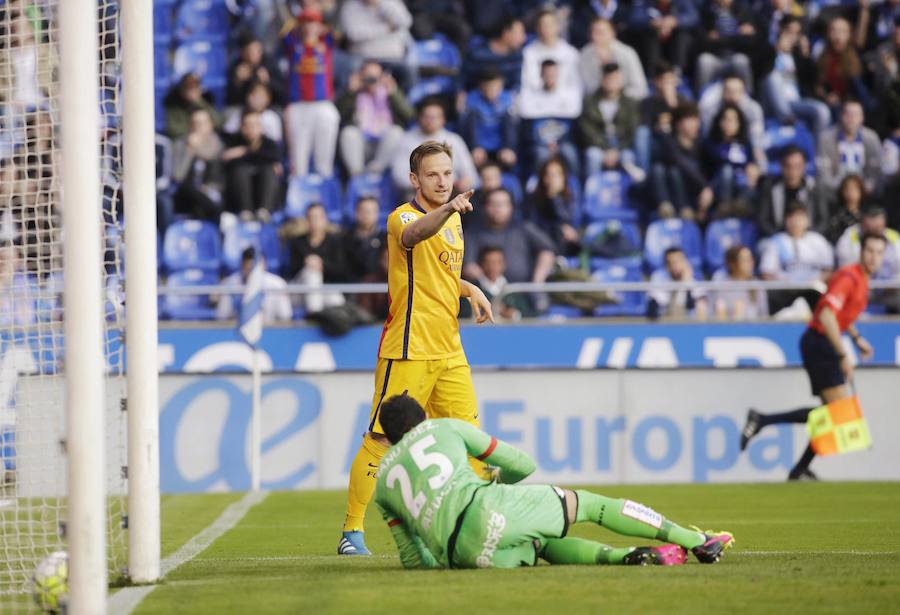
point(505, 526)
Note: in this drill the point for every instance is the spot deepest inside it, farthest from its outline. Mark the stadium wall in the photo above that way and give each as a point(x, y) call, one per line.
point(582, 426)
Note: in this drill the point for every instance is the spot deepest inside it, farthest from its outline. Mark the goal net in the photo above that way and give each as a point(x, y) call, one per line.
point(32, 370)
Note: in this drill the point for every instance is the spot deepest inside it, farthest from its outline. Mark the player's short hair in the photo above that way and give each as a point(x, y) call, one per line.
point(398, 415)
point(867, 237)
point(428, 148)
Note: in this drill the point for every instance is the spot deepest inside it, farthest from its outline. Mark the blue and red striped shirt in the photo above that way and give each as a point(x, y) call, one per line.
point(310, 77)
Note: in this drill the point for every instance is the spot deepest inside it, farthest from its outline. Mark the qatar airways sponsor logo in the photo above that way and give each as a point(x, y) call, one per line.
point(495, 526)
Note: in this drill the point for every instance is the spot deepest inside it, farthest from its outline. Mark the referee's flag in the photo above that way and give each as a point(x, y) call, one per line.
point(250, 314)
point(838, 427)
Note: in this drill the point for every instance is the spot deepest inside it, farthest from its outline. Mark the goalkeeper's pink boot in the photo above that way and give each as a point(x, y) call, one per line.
point(665, 555)
point(712, 550)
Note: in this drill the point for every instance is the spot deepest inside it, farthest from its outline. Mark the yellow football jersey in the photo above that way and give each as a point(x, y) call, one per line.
point(423, 289)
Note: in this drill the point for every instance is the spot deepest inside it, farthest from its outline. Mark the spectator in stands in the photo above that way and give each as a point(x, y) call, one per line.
point(317, 257)
point(887, 80)
point(181, 102)
point(253, 170)
point(768, 18)
point(252, 67)
point(656, 114)
point(501, 52)
point(739, 304)
point(27, 65)
point(732, 90)
point(605, 49)
point(690, 303)
point(276, 306)
point(839, 67)
point(373, 113)
point(850, 197)
point(549, 45)
point(794, 186)
point(872, 221)
point(728, 38)
point(883, 17)
point(553, 208)
point(796, 254)
point(492, 262)
point(258, 100)
point(607, 125)
point(311, 118)
point(789, 88)
point(658, 28)
point(529, 251)
point(548, 114)
point(729, 157)
point(445, 16)
point(431, 121)
point(15, 311)
point(376, 304)
point(488, 125)
point(679, 180)
point(197, 169)
point(376, 29)
point(848, 148)
point(364, 240)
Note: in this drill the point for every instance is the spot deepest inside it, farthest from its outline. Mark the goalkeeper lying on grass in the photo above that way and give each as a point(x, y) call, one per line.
point(443, 516)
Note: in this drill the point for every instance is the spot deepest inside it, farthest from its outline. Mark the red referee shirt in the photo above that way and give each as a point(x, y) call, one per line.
point(847, 296)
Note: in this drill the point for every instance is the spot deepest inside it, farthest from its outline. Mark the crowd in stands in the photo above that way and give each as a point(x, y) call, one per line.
point(610, 140)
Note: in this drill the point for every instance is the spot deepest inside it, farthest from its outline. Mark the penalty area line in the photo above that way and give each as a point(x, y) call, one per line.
point(127, 599)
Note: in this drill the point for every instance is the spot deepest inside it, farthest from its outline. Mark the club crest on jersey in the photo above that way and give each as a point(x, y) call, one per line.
point(449, 237)
point(407, 216)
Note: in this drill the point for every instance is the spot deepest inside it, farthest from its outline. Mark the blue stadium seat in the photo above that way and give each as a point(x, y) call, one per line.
point(430, 86)
point(378, 185)
point(672, 232)
point(613, 242)
point(242, 235)
point(163, 21)
point(632, 303)
point(721, 235)
point(312, 188)
point(433, 53)
point(206, 60)
point(778, 137)
point(202, 20)
point(189, 307)
point(192, 244)
point(604, 191)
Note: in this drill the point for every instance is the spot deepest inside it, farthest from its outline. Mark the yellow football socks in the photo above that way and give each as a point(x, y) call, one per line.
point(362, 482)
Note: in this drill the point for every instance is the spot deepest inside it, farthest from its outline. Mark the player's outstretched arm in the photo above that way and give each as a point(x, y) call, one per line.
point(434, 220)
point(481, 307)
point(514, 464)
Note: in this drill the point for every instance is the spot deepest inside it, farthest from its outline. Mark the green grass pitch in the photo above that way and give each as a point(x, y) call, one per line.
point(814, 548)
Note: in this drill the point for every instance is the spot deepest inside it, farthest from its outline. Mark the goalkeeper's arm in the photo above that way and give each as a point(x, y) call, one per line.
point(514, 464)
point(413, 552)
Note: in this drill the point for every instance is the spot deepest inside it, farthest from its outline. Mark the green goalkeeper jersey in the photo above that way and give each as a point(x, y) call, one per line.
point(425, 483)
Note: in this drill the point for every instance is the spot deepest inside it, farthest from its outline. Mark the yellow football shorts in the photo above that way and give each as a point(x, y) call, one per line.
point(442, 386)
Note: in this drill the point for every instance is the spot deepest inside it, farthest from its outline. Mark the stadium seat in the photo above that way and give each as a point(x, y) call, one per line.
point(430, 86)
point(606, 190)
point(721, 235)
point(613, 242)
point(779, 137)
point(206, 60)
point(263, 237)
point(435, 53)
point(163, 21)
point(189, 307)
point(202, 20)
point(377, 185)
point(192, 244)
point(312, 188)
point(672, 232)
point(632, 303)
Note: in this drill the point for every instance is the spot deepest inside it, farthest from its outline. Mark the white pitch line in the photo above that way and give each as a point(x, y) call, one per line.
point(127, 599)
point(815, 553)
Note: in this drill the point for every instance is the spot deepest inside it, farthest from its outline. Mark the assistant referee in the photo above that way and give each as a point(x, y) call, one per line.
point(821, 348)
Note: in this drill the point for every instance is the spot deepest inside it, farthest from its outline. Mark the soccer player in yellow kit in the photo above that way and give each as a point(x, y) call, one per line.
point(420, 350)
